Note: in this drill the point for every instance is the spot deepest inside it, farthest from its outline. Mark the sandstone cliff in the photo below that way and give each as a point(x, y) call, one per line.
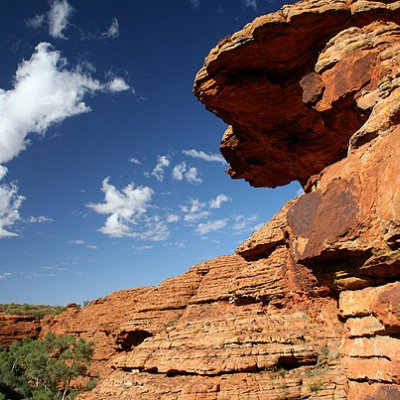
point(308, 307)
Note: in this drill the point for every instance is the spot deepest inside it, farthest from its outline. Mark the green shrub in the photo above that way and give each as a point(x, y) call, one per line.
point(42, 369)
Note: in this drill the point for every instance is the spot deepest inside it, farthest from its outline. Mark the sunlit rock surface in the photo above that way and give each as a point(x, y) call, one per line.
point(308, 307)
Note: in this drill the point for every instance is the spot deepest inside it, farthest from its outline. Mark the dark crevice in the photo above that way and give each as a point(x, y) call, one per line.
point(286, 363)
point(128, 340)
point(369, 380)
point(162, 309)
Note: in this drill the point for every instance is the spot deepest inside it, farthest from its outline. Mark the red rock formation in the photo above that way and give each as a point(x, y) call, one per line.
point(17, 327)
point(230, 329)
point(335, 69)
point(271, 84)
point(308, 308)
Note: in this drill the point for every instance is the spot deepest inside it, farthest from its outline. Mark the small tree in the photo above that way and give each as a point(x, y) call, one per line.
point(43, 369)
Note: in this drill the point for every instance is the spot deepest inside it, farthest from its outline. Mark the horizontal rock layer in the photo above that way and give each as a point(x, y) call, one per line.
point(17, 327)
point(308, 307)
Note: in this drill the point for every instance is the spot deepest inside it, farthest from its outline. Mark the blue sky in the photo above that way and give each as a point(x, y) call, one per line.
point(110, 175)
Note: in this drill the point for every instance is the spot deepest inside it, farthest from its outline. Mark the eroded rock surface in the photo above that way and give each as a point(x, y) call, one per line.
point(17, 327)
point(230, 328)
point(312, 93)
point(296, 85)
point(308, 307)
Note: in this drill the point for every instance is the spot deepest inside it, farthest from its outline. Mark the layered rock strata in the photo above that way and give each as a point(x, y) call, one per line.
point(231, 328)
point(17, 327)
point(312, 93)
point(308, 307)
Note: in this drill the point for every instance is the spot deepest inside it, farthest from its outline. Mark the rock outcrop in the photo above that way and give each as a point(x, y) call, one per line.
point(312, 93)
point(308, 307)
point(230, 328)
point(293, 86)
point(17, 327)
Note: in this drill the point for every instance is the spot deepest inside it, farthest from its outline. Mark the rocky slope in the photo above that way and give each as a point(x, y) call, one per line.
point(17, 327)
point(308, 307)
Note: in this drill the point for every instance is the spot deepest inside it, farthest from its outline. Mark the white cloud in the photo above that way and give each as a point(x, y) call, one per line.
point(158, 171)
point(140, 249)
point(217, 202)
point(211, 226)
point(178, 171)
point(124, 208)
point(172, 218)
point(37, 21)
point(192, 176)
point(4, 275)
point(3, 171)
point(56, 18)
point(194, 211)
point(193, 217)
point(10, 203)
point(154, 230)
point(78, 242)
point(204, 156)
point(244, 224)
point(195, 3)
point(38, 220)
point(56, 268)
point(113, 30)
point(45, 93)
point(252, 4)
point(134, 161)
point(92, 246)
point(117, 85)
point(181, 172)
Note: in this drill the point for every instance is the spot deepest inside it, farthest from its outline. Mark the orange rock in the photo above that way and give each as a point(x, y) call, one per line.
point(312, 93)
point(17, 327)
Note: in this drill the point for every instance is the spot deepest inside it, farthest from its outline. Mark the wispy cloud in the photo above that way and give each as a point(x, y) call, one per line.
point(57, 19)
point(77, 242)
point(153, 228)
point(134, 161)
point(54, 268)
point(38, 220)
point(182, 172)
point(10, 203)
point(159, 170)
point(243, 224)
point(45, 93)
point(141, 249)
point(116, 85)
point(171, 218)
point(195, 3)
point(219, 200)
point(194, 211)
point(251, 3)
point(113, 30)
point(211, 226)
point(5, 275)
point(210, 157)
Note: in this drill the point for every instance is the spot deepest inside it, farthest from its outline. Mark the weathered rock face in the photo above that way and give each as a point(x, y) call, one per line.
point(98, 322)
point(293, 86)
point(230, 328)
point(308, 307)
point(312, 93)
point(17, 327)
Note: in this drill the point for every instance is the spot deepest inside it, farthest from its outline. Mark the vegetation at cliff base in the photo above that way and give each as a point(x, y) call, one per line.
point(32, 310)
point(42, 369)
